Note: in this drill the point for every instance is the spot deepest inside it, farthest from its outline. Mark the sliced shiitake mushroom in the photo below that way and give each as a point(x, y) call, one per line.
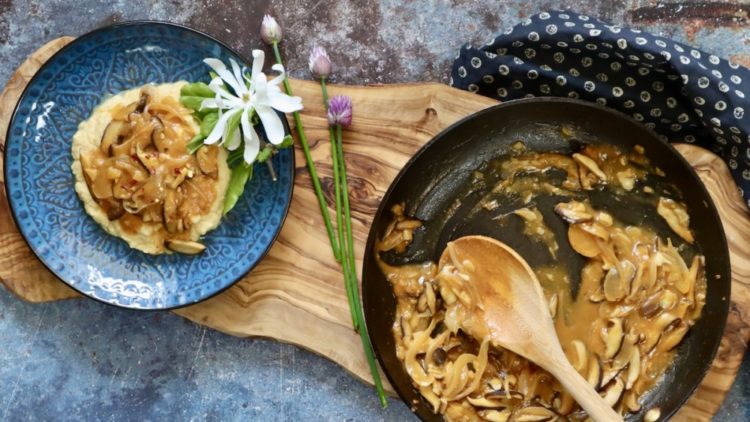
point(676, 216)
point(612, 335)
point(175, 181)
point(627, 349)
point(613, 391)
point(582, 242)
point(573, 212)
point(609, 373)
point(485, 403)
point(634, 368)
point(495, 415)
point(142, 101)
point(187, 247)
point(594, 376)
point(617, 281)
point(631, 402)
point(208, 158)
point(112, 135)
point(158, 138)
point(112, 208)
point(673, 336)
point(149, 159)
point(650, 307)
point(590, 165)
point(581, 356)
point(534, 414)
point(626, 178)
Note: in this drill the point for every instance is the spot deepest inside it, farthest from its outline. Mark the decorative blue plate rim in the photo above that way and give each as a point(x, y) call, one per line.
point(287, 172)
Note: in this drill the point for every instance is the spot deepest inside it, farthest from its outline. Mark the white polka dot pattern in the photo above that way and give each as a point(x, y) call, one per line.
point(684, 94)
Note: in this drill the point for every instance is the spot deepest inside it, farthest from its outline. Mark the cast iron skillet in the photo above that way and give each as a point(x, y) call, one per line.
point(438, 175)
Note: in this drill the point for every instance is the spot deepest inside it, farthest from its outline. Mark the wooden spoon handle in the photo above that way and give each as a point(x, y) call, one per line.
point(582, 392)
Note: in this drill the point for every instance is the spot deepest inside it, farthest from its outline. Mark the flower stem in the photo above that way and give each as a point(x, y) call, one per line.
point(324, 88)
point(336, 179)
point(349, 246)
point(339, 215)
point(310, 164)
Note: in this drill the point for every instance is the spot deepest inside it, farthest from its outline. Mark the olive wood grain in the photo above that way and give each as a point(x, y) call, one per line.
point(296, 294)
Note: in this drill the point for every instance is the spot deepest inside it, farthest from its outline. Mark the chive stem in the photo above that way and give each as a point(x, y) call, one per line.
point(349, 247)
point(339, 215)
point(310, 164)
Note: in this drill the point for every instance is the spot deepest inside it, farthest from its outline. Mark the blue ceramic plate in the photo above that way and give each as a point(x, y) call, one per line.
point(48, 212)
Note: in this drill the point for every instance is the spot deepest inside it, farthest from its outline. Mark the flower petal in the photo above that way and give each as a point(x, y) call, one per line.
point(218, 131)
point(271, 123)
point(280, 78)
point(234, 143)
point(283, 102)
point(221, 69)
point(217, 86)
point(238, 77)
point(210, 103)
point(252, 142)
point(258, 58)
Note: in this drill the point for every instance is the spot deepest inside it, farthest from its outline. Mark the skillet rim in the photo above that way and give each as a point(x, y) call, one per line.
point(725, 272)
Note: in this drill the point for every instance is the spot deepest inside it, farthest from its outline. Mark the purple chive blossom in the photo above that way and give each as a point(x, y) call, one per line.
point(340, 111)
point(320, 64)
point(270, 31)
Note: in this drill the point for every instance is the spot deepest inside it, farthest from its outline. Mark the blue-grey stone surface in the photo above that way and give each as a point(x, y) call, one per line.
point(81, 360)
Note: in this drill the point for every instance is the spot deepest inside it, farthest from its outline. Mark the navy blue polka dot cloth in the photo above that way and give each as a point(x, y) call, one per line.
point(684, 94)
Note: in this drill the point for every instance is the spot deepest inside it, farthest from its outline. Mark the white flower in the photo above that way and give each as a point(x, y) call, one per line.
point(261, 95)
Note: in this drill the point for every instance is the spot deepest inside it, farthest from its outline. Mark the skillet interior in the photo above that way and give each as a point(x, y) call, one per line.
point(438, 175)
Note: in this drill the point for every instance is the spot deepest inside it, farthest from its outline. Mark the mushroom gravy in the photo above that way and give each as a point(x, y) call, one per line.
point(142, 177)
point(638, 293)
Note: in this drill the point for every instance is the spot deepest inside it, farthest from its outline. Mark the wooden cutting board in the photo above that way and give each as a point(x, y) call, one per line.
point(296, 294)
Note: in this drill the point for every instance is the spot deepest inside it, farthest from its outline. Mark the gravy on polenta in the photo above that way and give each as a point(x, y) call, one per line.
point(138, 180)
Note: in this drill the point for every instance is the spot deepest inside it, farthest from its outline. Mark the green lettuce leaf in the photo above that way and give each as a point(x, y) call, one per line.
point(208, 122)
point(240, 175)
point(265, 154)
point(195, 143)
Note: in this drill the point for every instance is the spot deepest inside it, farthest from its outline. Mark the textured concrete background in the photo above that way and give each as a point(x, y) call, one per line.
point(79, 359)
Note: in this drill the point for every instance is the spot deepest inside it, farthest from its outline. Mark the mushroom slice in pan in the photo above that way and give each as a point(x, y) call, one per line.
point(613, 391)
point(617, 281)
point(485, 403)
point(673, 336)
point(534, 414)
point(573, 212)
point(495, 415)
point(594, 375)
point(582, 242)
point(590, 165)
point(676, 216)
point(612, 336)
point(581, 356)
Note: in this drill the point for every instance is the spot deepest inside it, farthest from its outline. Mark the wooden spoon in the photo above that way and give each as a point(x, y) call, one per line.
point(515, 316)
